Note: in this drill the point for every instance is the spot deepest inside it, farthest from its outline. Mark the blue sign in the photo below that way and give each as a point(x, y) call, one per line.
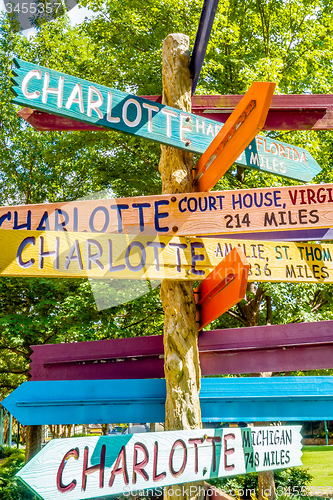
point(221, 399)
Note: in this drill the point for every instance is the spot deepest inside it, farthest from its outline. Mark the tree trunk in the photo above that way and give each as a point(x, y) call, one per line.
point(34, 434)
point(181, 362)
point(266, 485)
point(105, 429)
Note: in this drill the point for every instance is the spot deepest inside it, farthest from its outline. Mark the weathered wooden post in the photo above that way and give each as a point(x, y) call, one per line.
point(181, 364)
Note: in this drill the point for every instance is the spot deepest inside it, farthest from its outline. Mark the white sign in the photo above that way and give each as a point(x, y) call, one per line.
point(82, 468)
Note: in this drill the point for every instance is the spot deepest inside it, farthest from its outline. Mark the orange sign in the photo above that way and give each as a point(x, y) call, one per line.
point(238, 131)
point(223, 288)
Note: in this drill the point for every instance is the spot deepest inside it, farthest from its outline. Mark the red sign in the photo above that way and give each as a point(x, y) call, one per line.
point(238, 131)
point(223, 288)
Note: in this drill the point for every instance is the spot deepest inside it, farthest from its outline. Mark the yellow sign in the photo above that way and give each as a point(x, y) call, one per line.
point(99, 255)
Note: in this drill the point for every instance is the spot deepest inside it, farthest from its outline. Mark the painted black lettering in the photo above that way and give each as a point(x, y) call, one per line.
point(74, 255)
point(119, 208)
point(31, 240)
point(60, 225)
point(270, 219)
point(313, 214)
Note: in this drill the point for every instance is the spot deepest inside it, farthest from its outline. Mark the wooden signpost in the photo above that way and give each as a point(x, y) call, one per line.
point(238, 131)
point(78, 255)
point(238, 211)
point(286, 112)
point(277, 348)
point(223, 288)
point(242, 399)
point(279, 158)
point(87, 467)
point(154, 238)
point(137, 115)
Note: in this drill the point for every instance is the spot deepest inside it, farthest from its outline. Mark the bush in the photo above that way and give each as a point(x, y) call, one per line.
point(10, 487)
point(293, 477)
point(5, 451)
point(246, 484)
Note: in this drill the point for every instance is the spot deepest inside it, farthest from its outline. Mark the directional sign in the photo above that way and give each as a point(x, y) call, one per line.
point(70, 97)
point(223, 288)
point(202, 39)
point(286, 112)
point(277, 348)
point(242, 399)
point(238, 131)
point(238, 211)
point(279, 158)
point(86, 467)
point(99, 106)
point(78, 255)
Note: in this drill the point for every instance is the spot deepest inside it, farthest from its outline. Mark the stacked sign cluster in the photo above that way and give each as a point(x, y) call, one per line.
point(152, 238)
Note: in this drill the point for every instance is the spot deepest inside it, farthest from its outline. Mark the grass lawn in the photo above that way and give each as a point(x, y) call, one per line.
point(319, 462)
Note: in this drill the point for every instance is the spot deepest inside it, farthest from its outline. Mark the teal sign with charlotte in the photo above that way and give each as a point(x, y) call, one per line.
point(64, 95)
point(70, 97)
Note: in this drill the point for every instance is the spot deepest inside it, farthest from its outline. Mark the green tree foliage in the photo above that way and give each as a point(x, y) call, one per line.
point(10, 487)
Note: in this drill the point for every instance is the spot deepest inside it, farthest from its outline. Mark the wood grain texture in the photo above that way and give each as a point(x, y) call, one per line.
point(234, 451)
point(243, 399)
point(241, 211)
point(102, 256)
point(277, 348)
point(238, 131)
